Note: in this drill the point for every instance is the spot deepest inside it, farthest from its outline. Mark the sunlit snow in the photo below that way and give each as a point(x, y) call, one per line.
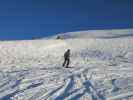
point(101, 67)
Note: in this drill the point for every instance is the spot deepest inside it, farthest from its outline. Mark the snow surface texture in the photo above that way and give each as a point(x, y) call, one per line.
point(101, 67)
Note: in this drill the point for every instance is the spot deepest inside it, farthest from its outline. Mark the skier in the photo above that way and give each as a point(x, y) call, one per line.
point(66, 58)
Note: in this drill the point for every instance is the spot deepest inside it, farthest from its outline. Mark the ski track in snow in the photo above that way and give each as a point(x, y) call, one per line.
point(100, 69)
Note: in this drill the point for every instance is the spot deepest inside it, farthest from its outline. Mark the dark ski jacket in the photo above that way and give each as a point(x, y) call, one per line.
point(67, 55)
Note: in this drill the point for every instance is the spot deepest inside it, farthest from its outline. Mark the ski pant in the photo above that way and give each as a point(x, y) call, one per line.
point(66, 62)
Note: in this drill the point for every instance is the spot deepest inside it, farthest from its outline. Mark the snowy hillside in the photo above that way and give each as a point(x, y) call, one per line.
point(103, 34)
point(101, 67)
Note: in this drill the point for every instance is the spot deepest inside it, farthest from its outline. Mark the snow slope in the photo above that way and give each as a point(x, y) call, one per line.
point(103, 34)
point(101, 67)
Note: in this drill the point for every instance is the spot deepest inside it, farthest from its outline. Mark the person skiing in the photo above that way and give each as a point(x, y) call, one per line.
point(66, 58)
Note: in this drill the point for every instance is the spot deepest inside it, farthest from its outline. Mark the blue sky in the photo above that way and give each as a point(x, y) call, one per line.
point(24, 19)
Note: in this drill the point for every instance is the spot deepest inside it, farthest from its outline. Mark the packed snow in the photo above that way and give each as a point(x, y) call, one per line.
point(101, 67)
